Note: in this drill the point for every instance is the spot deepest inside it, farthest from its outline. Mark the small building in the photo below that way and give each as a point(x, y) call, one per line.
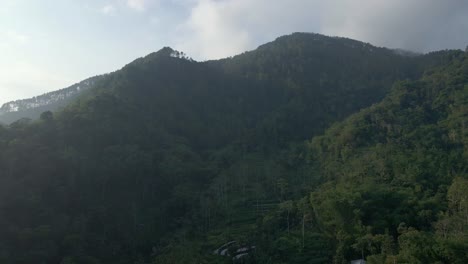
point(358, 261)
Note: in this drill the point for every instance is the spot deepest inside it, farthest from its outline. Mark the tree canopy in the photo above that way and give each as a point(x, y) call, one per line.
point(310, 149)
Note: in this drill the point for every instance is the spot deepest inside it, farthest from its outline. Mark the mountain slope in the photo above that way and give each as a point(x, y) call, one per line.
point(390, 172)
point(320, 79)
point(387, 184)
point(33, 107)
point(169, 152)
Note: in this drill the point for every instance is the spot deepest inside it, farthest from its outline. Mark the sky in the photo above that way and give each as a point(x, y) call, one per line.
point(46, 45)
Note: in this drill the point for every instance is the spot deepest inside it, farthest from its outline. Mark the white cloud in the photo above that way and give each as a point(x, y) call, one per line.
point(108, 9)
point(139, 5)
point(210, 33)
point(217, 29)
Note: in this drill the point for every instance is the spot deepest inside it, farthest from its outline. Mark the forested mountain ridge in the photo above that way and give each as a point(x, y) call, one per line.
point(31, 108)
point(388, 184)
point(168, 159)
point(399, 170)
point(301, 70)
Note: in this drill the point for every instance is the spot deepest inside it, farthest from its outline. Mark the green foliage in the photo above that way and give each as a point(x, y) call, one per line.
point(392, 163)
point(168, 159)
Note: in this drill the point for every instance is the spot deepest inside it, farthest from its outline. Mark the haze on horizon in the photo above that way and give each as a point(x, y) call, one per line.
point(47, 45)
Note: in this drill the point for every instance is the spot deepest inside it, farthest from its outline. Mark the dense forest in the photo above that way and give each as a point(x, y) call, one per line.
point(309, 149)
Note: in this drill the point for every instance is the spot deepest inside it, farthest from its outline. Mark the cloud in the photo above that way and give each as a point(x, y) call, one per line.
point(138, 5)
point(135, 5)
point(420, 25)
point(211, 31)
point(108, 9)
point(219, 28)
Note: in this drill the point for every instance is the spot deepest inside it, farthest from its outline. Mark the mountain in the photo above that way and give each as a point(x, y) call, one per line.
point(309, 149)
point(31, 108)
point(396, 170)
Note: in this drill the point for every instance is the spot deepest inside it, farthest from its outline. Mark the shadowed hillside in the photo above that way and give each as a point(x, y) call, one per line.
point(309, 149)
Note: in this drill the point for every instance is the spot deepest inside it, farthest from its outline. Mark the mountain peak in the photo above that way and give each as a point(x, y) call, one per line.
point(165, 51)
point(168, 52)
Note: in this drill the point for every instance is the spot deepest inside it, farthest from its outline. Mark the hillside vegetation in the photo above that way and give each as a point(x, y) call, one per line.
point(309, 149)
point(33, 107)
